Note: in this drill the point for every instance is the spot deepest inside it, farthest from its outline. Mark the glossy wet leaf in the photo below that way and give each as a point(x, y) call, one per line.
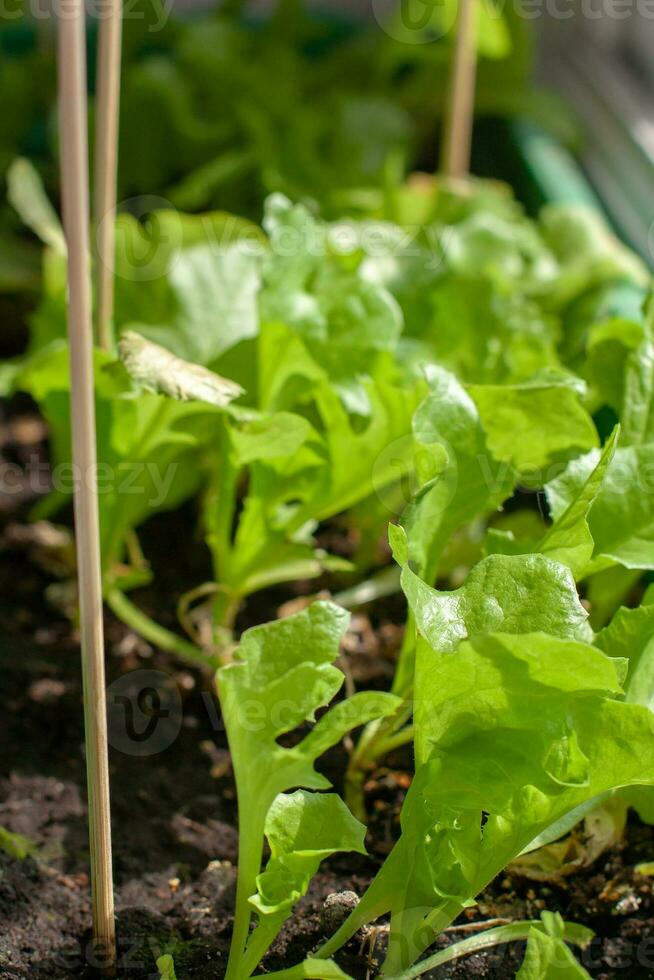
point(302, 830)
point(282, 674)
point(166, 968)
point(502, 594)
point(534, 424)
point(621, 518)
point(513, 733)
point(547, 956)
point(569, 539)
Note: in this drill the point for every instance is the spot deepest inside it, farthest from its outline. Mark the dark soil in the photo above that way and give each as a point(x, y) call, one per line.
point(174, 807)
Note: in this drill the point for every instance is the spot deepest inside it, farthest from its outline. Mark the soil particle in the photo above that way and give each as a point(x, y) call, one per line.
point(335, 910)
point(42, 913)
point(209, 837)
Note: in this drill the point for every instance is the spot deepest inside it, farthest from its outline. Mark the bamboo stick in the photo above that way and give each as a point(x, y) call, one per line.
point(106, 165)
point(75, 197)
point(457, 138)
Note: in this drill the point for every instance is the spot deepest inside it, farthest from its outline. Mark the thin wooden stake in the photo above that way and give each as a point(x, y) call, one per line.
point(75, 196)
point(457, 138)
point(106, 165)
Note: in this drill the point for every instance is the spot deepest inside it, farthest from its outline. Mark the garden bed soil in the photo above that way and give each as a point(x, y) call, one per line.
point(174, 808)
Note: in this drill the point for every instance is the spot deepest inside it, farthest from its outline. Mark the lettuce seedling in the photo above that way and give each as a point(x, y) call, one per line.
point(547, 954)
point(307, 440)
point(302, 467)
point(283, 673)
point(166, 968)
point(149, 446)
point(514, 731)
point(569, 538)
point(493, 438)
point(331, 332)
point(511, 702)
point(301, 829)
point(15, 845)
point(546, 949)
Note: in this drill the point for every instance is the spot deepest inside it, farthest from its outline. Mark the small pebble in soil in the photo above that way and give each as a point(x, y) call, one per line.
point(335, 910)
point(630, 903)
point(46, 690)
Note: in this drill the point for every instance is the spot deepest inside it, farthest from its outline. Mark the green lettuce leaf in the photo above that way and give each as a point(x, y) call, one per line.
point(514, 733)
point(547, 956)
point(621, 518)
point(630, 635)
point(502, 594)
point(465, 480)
point(535, 424)
point(303, 466)
point(147, 444)
point(568, 540)
point(282, 674)
point(213, 302)
point(26, 194)
point(166, 968)
point(311, 969)
point(302, 830)
point(589, 253)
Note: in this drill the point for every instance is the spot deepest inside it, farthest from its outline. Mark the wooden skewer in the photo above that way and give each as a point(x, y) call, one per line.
point(457, 139)
point(75, 197)
point(106, 165)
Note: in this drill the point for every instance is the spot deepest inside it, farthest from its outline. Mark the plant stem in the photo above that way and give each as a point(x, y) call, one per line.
point(134, 551)
point(292, 973)
point(222, 498)
point(258, 944)
point(380, 586)
point(156, 634)
point(412, 930)
point(377, 738)
point(394, 741)
point(249, 863)
point(492, 937)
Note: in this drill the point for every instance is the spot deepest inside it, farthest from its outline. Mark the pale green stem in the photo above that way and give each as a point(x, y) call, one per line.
point(259, 943)
point(249, 864)
point(395, 741)
point(377, 738)
point(412, 931)
point(156, 634)
point(486, 940)
point(379, 586)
